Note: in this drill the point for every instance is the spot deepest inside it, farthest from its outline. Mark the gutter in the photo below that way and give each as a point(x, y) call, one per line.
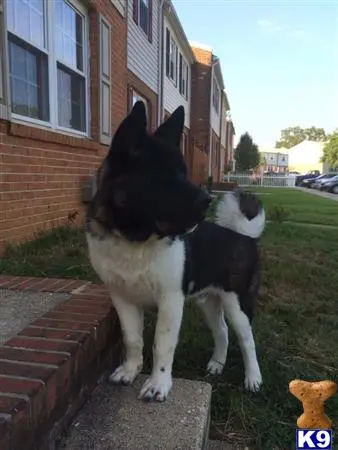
point(160, 65)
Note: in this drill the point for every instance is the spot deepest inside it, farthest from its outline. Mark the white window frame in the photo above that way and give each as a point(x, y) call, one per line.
point(53, 124)
point(3, 64)
point(173, 58)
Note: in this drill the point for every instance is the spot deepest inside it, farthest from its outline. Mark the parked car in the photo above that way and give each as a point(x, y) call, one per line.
point(310, 174)
point(309, 182)
point(331, 185)
point(319, 183)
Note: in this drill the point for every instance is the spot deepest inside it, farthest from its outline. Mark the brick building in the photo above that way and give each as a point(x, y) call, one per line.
point(58, 106)
point(209, 108)
point(70, 70)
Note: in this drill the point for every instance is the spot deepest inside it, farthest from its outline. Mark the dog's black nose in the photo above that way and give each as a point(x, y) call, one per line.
point(202, 200)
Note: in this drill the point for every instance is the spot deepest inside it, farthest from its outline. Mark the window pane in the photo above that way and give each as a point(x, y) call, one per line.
point(37, 29)
point(144, 16)
point(69, 26)
point(71, 99)
point(26, 19)
point(29, 80)
point(21, 17)
point(137, 97)
point(10, 15)
point(105, 108)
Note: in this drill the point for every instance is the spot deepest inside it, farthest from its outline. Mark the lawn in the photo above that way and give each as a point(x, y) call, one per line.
point(303, 207)
point(296, 325)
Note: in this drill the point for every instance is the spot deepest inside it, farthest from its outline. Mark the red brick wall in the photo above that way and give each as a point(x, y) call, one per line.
point(197, 161)
point(200, 114)
point(200, 97)
point(41, 171)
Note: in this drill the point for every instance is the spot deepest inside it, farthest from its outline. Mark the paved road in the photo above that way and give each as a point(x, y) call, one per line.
point(320, 193)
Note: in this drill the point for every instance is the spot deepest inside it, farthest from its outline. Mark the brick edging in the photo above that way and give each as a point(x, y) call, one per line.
point(48, 369)
point(39, 284)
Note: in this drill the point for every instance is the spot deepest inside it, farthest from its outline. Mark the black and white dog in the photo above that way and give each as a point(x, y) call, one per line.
point(149, 244)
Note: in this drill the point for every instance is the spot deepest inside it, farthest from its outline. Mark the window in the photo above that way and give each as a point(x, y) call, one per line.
point(215, 96)
point(137, 97)
point(47, 63)
point(183, 77)
point(171, 57)
point(143, 16)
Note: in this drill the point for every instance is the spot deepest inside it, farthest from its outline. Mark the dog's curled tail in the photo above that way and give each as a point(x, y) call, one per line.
point(242, 212)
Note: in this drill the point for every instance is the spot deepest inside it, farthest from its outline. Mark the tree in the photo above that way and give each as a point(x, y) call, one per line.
point(330, 151)
point(246, 153)
point(295, 135)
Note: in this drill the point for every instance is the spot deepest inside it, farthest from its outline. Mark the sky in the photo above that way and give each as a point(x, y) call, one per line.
point(279, 60)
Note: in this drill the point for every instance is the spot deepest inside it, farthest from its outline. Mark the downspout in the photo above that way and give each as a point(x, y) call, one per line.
point(160, 65)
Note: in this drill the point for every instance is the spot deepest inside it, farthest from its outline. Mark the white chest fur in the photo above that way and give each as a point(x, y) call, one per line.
point(139, 272)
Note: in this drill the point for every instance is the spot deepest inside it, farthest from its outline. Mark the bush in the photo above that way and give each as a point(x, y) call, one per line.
point(278, 213)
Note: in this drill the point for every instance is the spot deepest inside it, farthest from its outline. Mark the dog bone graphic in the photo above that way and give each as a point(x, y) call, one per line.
point(313, 395)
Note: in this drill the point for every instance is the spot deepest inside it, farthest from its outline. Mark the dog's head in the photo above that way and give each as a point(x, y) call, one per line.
point(142, 185)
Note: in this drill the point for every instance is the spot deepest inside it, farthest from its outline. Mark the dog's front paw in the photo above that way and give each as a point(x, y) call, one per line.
point(125, 374)
point(157, 387)
point(215, 367)
point(253, 381)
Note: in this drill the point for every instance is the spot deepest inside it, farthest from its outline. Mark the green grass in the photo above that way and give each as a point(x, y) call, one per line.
point(303, 207)
point(60, 253)
point(296, 324)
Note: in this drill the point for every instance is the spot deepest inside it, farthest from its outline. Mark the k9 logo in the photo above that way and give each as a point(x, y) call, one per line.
point(314, 439)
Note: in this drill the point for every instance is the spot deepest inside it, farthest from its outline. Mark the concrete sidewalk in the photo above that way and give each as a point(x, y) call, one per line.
point(320, 193)
point(18, 309)
point(115, 419)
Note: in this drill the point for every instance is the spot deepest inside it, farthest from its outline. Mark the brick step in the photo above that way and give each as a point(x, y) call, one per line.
point(48, 368)
point(115, 419)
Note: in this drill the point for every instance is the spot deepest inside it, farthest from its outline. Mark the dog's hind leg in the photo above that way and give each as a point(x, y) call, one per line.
point(212, 309)
point(241, 324)
point(131, 319)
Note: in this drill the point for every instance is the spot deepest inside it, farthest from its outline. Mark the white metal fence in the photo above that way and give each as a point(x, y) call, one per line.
point(248, 179)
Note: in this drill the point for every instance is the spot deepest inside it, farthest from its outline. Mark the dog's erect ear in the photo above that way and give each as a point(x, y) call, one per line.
point(171, 130)
point(131, 132)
